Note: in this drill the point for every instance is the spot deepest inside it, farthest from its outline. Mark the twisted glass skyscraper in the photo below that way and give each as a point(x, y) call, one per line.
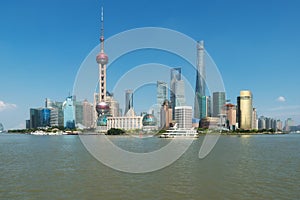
point(200, 107)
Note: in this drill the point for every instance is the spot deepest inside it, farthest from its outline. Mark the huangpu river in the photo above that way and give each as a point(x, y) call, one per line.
point(59, 167)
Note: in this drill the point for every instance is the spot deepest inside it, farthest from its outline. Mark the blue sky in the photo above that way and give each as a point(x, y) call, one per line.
point(255, 45)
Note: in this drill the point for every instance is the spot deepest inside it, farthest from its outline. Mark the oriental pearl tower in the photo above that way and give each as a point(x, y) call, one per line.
point(102, 107)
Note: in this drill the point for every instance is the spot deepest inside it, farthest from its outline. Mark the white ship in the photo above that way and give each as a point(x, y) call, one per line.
point(180, 133)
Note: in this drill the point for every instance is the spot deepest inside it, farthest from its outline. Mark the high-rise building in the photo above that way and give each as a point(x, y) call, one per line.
point(27, 122)
point(199, 109)
point(161, 96)
point(165, 115)
point(177, 93)
point(254, 119)
point(88, 114)
point(56, 114)
point(230, 111)
point(78, 107)
point(39, 117)
point(261, 123)
point(175, 76)
point(244, 110)
point(268, 123)
point(183, 117)
point(69, 113)
point(205, 106)
point(162, 92)
point(113, 105)
point(279, 125)
point(218, 103)
point(288, 123)
point(128, 100)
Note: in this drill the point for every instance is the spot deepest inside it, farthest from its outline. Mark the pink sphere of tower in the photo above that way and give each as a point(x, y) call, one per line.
point(102, 59)
point(102, 108)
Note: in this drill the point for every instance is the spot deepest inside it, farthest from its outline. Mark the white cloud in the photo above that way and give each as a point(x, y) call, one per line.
point(6, 106)
point(281, 99)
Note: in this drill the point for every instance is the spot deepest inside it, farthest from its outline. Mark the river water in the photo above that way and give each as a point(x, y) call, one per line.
point(59, 167)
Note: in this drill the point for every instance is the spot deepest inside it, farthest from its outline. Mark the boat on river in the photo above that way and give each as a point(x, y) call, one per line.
point(180, 133)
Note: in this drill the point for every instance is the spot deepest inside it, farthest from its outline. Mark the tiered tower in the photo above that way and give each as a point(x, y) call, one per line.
point(102, 107)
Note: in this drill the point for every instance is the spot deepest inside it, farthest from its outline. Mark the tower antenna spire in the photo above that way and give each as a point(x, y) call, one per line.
point(102, 31)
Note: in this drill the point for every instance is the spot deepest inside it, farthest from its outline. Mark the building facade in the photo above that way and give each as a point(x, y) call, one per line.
point(161, 96)
point(205, 107)
point(244, 110)
point(177, 93)
point(69, 113)
point(39, 117)
point(230, 111)
point(199, 108)
point(128, 100)
point(288, 124)
point(165, 115)
point(254, 119)
point(125, 123)
point(88, 114)
point(183, 117)
point(218, 103)
point(161, 92)
point(114, 106)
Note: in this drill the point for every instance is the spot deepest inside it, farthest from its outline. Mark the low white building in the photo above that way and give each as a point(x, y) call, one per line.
point(125, 123)
point(128, 122)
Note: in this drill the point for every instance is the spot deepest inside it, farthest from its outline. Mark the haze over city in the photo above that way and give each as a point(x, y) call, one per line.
point(254, 44)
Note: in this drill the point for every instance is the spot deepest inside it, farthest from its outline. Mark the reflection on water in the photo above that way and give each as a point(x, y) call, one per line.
point(58, 167)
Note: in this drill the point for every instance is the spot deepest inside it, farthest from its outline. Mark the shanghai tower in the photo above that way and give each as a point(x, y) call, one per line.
point(200, 106)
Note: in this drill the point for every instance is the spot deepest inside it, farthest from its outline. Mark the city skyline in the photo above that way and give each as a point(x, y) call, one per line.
point(245, 60)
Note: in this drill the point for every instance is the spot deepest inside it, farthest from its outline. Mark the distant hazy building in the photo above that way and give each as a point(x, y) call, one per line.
point(230, 111)
point(165, 115)
point(244, 110)
point(261, 123)
point(199, 107)
point(56, 114)
point(279, 125)
point(274, 124)
point(114, 105)
point(288, 123)
point(69, 113)
point(254, 119)
point(128, 100)
point(88, 114)
point(218, 103)
point(78, 107)
point(183, 116)
point(1, 127)
point(268, 123)
point(27, 122)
